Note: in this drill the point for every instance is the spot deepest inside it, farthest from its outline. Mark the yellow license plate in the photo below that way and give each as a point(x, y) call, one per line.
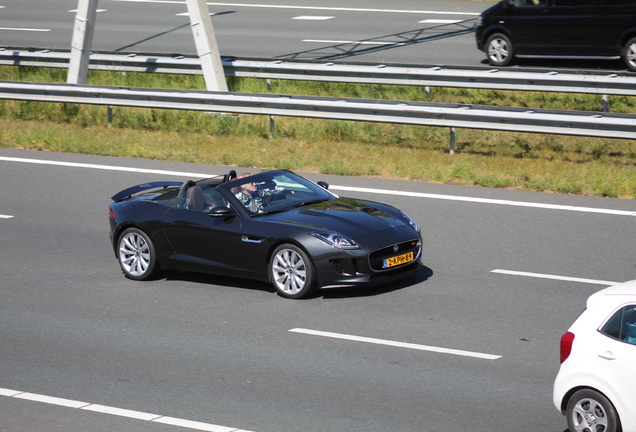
point(397, 260)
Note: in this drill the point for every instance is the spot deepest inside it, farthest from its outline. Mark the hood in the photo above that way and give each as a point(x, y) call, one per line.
point(348, 216)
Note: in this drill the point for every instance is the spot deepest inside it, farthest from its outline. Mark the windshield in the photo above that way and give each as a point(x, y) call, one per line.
point(275, 191)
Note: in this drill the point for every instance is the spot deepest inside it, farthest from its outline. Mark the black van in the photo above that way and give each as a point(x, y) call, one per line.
point(559, 29)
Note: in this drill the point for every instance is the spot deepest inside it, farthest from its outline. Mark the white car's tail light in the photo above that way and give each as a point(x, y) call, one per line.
point(566, 345)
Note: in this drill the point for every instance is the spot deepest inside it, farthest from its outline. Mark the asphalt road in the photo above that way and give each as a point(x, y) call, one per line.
point(396, 31)
point(219, 351)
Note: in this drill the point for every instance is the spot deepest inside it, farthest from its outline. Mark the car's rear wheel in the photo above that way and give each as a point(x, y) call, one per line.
point(291, 272)
point(499, 50)
point(136, 254)
point(590, 411)
point(629, 54)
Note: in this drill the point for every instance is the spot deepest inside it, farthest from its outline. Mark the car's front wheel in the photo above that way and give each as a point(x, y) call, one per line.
point(499, 50)
point(590, 411)
point(629, 54)
point(136, 254)
point(291, 272)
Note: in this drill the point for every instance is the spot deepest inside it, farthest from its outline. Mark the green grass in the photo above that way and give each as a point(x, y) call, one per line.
point(562, 164)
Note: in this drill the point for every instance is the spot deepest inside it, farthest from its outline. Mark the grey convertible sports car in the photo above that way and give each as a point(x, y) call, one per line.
point(274, 226)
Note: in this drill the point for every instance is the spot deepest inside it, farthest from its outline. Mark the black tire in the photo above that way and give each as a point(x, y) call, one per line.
point(499, 50)
point(590, 411)
point(629, 54)
point(137, 255)
point(292, 272)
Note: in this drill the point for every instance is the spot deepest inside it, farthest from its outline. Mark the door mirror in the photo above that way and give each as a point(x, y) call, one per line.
point(222, 211)
point(323, 184)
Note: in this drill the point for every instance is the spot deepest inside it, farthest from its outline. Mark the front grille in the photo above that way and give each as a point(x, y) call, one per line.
point(376, 258)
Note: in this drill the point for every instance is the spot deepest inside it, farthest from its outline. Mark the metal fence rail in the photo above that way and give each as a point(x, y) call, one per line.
point(434, 76)
point(416, 113)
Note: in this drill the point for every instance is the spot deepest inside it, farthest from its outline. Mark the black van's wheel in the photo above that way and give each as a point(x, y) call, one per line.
point(499, 50)
point(629, 54)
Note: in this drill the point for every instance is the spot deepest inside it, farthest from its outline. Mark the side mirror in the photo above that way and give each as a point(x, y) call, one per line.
point(222, 211)
point(323, 184)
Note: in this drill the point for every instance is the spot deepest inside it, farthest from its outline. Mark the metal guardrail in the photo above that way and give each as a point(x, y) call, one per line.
point(600, 83)
point(416, 113)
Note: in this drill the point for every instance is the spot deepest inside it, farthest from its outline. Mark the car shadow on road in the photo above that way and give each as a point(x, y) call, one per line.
point(226, 281)
point(422, 275)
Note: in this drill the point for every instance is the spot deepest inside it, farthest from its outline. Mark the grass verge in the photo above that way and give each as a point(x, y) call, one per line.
point(551, 163)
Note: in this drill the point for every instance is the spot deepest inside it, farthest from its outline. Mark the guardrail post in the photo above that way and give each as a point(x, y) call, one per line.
point(427, 90)
point(272, 125)
point(110, 115)
point(605, 104)
point(452, 141)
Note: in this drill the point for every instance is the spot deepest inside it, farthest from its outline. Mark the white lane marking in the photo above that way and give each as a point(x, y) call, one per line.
point(555, 277)
point(5, 216)
point(489, 201)
point(396, 344)
point(25, 29)
point(309, 7)
point(51, 400)
point(105, 167)
point(313, 18)
point(352, 42)
point(98, 10)
point(343, 188)
point(188, 14)
point(440, 21)
point(138, 415)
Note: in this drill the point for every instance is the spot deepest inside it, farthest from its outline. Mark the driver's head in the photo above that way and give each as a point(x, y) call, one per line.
point(247, 188)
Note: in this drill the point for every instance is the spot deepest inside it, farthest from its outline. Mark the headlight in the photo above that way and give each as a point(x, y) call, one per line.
point(410, 221)
point(336, 240)
point(480, 21)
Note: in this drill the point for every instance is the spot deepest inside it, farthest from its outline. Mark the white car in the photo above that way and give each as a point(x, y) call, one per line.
point(596, 384)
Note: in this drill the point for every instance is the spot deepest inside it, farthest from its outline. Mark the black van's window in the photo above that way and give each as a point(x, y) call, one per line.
point(529, 3)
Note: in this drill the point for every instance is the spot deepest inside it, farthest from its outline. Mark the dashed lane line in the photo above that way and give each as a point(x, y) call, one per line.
point(396, 344)
point(25, 29)
point(137, 415)
point(2, 216)
point(323, 8)
point(341, 188)
point(554, 277)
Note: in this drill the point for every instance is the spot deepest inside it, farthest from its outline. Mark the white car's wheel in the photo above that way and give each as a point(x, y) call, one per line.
point(291, 272)
point(136, 254)
point(590, 411)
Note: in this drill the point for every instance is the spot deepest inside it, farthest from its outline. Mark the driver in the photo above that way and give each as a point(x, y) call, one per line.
point(254, 199)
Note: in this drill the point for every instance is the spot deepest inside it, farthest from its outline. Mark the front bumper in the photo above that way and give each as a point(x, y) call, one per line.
point(369, 266)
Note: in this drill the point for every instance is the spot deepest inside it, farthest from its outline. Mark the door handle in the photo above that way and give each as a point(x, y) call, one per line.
point(607, 355)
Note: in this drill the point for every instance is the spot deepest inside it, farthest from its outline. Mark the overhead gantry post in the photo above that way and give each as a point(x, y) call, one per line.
point(83, 30)
point(202, 31)
point(207, 48)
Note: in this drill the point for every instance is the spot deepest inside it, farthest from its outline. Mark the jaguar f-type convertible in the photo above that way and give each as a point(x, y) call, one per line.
point(274, 226)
